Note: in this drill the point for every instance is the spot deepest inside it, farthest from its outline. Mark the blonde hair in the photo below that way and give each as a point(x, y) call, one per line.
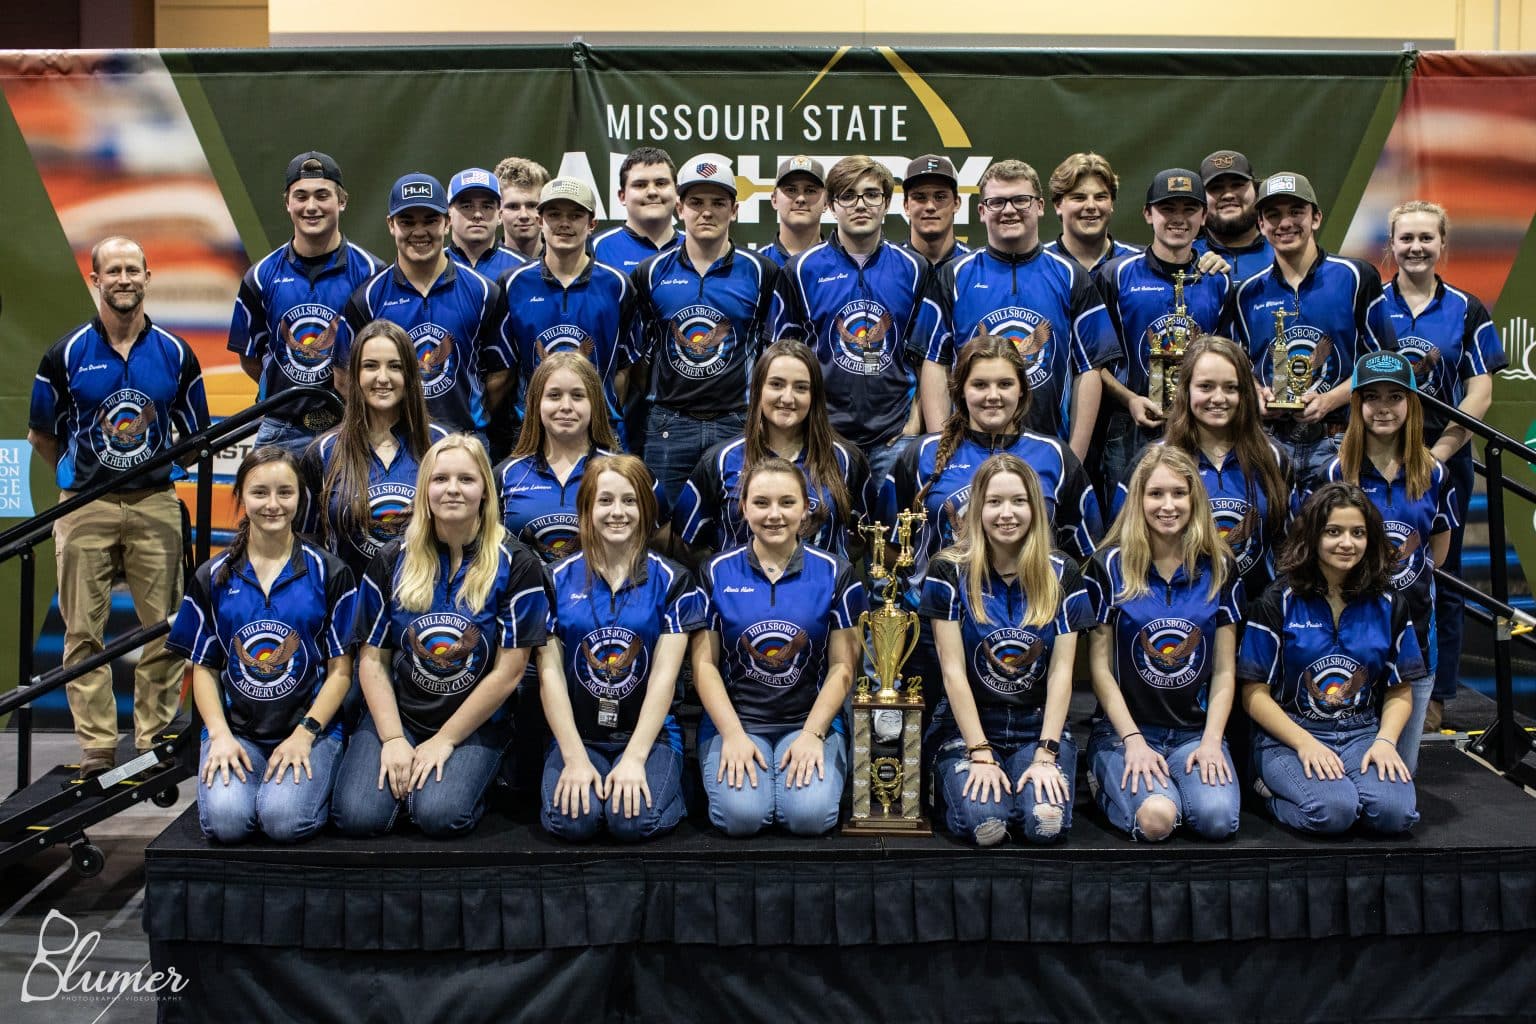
point(1042, 590)
point(1417, 206)
point(1201, 540)
point(521, 172)
point(418, 568)
point(1008, 170)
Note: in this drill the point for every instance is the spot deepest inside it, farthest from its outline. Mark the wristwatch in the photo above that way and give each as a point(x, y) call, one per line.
point(314, 727)
point(1052, 747)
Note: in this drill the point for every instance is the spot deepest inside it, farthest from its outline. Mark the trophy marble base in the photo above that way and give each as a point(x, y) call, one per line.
point(887, 765)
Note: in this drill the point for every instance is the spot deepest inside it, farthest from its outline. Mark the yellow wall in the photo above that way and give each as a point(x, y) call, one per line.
point(1472, 24)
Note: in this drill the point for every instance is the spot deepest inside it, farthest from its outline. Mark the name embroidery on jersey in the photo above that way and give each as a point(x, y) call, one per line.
point(269, 660)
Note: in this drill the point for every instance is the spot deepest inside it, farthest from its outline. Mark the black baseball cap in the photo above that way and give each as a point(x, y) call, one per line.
point(1175, 183)
point(1384, 368)
point(313, 164)
point(1225, 161)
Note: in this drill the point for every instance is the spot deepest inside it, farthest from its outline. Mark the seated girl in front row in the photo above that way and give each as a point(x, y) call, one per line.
point(446, 617)
point(774, 665)
point(267, 625)
point(1004, 608)
point(1169, 599)
point(1320, 648)
point(619, 632)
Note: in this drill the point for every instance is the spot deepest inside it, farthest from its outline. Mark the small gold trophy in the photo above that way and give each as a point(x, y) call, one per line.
point(888, 723)
point(1165, 348)
point(1292, 377)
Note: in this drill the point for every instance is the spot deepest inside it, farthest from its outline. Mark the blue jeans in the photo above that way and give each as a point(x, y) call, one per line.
point(663, 774)
point(809, 810)
point(1449, 605)
point(1211, 810)
point(285, 811)
point(361, 807)
point(882, 457)
point(674, 443)
point(1413, 733)
point(1014, 735)
point(1330, 806)
point(1123, 439)
point(1309, 459)
point(283, 435)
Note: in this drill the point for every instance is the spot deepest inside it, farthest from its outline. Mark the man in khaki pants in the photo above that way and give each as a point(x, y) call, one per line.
point(107, 398)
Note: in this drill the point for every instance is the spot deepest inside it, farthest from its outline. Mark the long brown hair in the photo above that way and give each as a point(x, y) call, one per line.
point(984, 346)
point(973, 552)
point(1129, 530)
point(639, 477)
point(816, 433)
point(263, 456)
point(1370, 577)
point(346, 478)
point(530, 440)
point(1250, 444)
point(1418, 463)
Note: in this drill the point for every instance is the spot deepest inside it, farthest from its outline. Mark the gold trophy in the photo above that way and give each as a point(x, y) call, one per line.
point(1292, 377)
point(888, 722)
point(1165, 348)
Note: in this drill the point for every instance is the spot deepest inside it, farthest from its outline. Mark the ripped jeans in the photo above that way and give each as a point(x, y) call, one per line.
point(1014, 734)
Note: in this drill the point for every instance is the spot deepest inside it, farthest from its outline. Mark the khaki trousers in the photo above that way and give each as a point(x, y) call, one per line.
point(139, 534)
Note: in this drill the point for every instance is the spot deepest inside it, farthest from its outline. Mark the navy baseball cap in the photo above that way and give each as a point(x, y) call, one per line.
point(471, 179)
point(1175, 183)
point(313, 164)
point(417, 190)
point(1384, 368)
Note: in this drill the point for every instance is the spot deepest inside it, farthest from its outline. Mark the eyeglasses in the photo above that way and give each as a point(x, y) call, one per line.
point(874, 197)
point(997, 204)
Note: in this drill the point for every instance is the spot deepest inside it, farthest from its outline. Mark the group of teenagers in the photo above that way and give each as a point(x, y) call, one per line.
point(1260, 608)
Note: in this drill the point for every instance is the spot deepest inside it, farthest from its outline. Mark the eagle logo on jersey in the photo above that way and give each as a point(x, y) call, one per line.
point(1030, 332)
point(1405, 542)
point(952, 515)
point(435, 349)
point(774, 652)
point(553, 536)
point(1237, 523)
point(861, 328)
point(1164, 331)
point(445, 652)
point(126, 419)
point(1332, 685)
point(1169, 653)
point(1426, 359)
point(701, 339)
point(389, 512)
point(562, 338)
point(611, 662)
point(308, 334)
point(1008, 660)
point(269, 660)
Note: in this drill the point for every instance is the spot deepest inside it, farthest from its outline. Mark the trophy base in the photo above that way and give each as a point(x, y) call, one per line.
point(892, 826)
point(1284, 406)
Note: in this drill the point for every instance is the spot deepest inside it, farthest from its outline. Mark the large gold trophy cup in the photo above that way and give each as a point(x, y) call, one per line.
point(887, 721)
point(1165, 348)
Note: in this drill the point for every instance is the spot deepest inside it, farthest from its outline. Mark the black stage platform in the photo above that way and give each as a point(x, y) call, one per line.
point(508, 924)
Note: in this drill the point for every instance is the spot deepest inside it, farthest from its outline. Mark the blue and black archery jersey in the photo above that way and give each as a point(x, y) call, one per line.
point(1138, 295)
point(1451, 340)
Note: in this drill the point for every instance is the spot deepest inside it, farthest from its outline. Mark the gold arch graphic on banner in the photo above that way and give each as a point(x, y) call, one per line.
point(951, 132)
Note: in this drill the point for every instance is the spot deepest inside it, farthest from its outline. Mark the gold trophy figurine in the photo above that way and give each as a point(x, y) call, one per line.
point(1287, 386)
point(887, 721)
point(1165, 348)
